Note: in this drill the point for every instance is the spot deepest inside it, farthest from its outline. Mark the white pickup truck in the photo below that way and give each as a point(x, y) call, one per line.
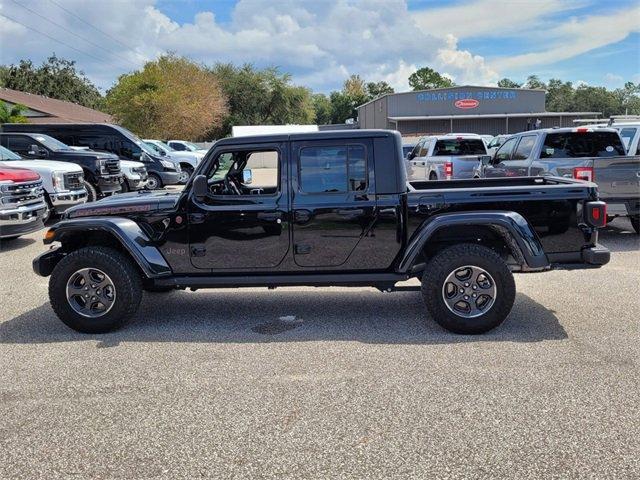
point(62, 181)
point(445, 157)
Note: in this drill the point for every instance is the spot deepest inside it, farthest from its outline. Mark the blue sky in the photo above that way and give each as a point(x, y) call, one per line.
point(322, 42)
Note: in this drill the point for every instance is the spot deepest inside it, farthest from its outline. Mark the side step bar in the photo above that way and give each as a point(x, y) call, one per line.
point(382, 281)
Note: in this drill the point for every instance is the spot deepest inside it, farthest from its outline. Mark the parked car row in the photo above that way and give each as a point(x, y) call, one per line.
point(77, 163)
point(594, 154)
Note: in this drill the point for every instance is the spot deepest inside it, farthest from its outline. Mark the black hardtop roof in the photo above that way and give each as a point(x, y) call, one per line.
point(322, 135)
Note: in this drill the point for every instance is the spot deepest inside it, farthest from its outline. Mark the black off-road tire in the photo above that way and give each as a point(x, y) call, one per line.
point(92, 193)
point(155, 289)
point(635, 223)
point(126, 280)
point(446, 262)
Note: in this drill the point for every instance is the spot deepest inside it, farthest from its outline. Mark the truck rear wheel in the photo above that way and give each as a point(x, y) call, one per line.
point(95, 290)
point(468, 289)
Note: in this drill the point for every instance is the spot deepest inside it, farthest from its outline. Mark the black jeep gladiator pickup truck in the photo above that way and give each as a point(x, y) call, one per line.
point(321, 209)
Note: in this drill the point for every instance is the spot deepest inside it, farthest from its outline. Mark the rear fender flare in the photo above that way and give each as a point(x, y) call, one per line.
point(518, 234)
point(126, 232)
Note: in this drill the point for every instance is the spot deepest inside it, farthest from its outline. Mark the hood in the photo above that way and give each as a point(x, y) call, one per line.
point(44, 165)
point(124, 205)
point(83, 154)
point(197, 156)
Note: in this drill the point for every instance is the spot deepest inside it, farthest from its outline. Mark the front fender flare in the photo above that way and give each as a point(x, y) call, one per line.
point(127, 232)
point(512, 226)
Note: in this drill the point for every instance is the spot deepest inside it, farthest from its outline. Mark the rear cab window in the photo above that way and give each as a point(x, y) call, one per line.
point(459, 146)
point(582, 144)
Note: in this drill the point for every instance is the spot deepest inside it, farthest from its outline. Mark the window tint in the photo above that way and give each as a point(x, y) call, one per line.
point(460, 146)
point(20, 144)
point(523, 150)
point(504, 152)
point(177, 146)
point(96, 142)
point(264, 169)
point(582, 144)
point(338, 168)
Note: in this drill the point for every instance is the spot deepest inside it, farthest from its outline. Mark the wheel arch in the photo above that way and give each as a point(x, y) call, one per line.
point(119, 233)
point(507, 232)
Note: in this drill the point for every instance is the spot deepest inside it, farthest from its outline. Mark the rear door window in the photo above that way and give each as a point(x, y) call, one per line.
point(524, 148)
point(333, 169)
point(20, 143)
point(459, 146)
point(582, 144)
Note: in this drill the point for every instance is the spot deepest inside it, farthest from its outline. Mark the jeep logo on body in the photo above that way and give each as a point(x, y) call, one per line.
point(466, 103)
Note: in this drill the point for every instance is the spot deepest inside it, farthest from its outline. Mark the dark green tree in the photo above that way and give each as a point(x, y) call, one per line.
point(261, 97)
point(534, 82)
point(55, 78)
point(378, 89)
point(321, 108)
point(426, 78)
point(508, 83)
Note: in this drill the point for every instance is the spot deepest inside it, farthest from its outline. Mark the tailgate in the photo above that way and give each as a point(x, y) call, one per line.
point(617, 177)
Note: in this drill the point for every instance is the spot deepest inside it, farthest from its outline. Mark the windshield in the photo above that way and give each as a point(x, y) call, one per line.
point(6, 154)
point(582, 144)
point(460, 146)
point(135, 139)
point(51, 143)
point(191, 146)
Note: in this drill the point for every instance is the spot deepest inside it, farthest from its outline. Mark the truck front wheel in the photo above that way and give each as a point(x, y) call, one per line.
point(468, 289)
point(95, 290)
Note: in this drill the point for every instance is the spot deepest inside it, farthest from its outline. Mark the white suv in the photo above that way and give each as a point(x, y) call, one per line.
point(63, 182)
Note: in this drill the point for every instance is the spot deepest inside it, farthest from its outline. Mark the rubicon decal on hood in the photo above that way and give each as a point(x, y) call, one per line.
point(466, 103)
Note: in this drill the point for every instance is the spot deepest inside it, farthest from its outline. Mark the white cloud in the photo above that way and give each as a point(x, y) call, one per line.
point(613, 80)
point(491, 18)
point(320, 43)
point(575, 37)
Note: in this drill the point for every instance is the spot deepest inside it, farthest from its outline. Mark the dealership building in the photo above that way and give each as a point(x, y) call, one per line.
point(464, 109)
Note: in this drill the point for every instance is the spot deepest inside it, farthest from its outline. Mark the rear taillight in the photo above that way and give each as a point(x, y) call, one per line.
point(584, 173)
point(448, 170)
point(596, 214)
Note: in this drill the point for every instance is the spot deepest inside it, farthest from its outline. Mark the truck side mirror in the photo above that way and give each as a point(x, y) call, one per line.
point(200, 187)
point(410, 156)
point(247, 176)
point(34, 150)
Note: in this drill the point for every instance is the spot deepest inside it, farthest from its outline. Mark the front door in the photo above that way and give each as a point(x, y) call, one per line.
point(242, 224)
point(333, 200)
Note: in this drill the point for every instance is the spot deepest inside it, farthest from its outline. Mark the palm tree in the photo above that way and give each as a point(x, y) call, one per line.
point(13, 113)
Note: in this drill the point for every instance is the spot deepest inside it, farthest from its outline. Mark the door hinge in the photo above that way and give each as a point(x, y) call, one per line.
point(198, 251)
point(301, 249)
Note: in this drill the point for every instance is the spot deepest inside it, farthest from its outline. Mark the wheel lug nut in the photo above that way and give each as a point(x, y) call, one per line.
point(466, 297)
point(466, 284)
point(475, 287)
point(475, 295)
point(86, 288)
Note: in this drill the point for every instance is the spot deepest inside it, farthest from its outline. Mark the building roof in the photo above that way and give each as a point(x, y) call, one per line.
point(493, 115)
point(56, 111)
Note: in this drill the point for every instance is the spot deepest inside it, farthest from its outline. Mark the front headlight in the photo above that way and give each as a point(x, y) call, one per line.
point(168, 164)
point(57, 179)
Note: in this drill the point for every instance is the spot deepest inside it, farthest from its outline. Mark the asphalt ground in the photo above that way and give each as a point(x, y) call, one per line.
point(325, 382)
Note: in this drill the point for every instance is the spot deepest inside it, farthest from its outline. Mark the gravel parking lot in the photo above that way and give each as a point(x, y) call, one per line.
point(330, 382)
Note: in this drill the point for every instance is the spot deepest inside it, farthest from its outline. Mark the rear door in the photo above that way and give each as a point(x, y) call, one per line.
point(418, 164)
point(333, 200)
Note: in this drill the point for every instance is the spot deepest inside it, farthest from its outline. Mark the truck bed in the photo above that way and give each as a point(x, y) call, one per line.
point(520, 183)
